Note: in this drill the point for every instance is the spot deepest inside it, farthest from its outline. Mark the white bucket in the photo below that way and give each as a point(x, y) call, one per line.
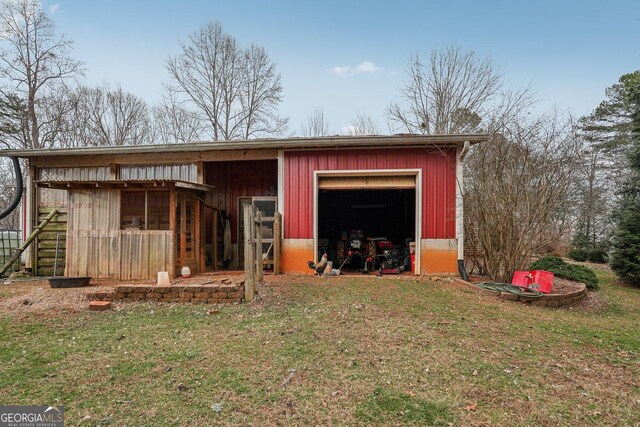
point(163, 278)
point(186, 271)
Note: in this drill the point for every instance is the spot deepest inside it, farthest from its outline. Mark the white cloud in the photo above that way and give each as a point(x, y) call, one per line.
point(340, 71)
point(54, 7)
point(366, 67)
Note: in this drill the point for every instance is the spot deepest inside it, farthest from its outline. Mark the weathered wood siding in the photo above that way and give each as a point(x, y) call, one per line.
point(144, 253)
point(93, 244)
point(97, 247)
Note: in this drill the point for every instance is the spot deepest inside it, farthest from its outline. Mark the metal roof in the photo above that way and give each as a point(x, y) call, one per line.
point(257, 144)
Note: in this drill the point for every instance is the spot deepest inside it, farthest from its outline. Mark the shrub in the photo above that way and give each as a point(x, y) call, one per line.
point(579, 255)
point(561, 269)
point(597, 255)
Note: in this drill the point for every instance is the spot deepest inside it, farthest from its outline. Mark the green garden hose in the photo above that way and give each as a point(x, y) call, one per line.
point(506, 287)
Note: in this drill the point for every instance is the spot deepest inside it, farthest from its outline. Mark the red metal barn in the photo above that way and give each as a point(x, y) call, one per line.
point(128, 212)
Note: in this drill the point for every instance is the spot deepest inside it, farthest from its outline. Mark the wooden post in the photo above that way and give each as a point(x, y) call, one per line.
point(277, 242)
point(214, 221)
point(173, 211)
point(183, 230)
point(198, 242)
point(259, 259)
point(34, 207)
point(249, 256)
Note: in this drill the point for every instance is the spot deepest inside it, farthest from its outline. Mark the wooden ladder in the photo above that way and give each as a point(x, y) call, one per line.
point(27, 242)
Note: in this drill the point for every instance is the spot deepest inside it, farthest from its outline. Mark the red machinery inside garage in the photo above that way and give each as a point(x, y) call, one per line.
point(367, 230)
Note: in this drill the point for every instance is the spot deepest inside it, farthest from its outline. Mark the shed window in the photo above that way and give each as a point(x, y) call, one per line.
point(144, 210)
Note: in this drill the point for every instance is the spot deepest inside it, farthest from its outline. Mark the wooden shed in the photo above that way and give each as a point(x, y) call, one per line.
point(128, 212)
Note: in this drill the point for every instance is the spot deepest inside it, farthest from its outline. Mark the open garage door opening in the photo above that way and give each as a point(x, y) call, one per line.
point(367, 230)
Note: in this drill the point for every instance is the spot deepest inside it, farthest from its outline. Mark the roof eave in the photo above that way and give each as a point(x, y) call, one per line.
point(257, 144)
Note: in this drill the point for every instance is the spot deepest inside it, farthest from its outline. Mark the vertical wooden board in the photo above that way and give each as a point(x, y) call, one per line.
point(116, 256)
point(81, 255)
point(171, 250)
point(183, 231)
point(277, 242)
point(123, 256)
point(160, 244)
point(199, 235)
point(147, 254)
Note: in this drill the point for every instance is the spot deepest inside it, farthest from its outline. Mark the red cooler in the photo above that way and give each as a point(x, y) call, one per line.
point(539, 280)
point(542, 281)
point(521, 278)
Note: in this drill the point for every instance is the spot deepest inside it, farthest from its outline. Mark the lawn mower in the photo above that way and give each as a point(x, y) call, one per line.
point(388, 259)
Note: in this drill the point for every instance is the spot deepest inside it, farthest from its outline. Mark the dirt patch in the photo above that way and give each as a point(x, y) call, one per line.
point(39, 297)
point(36, 296)
point(592, 302)
point(564, 286)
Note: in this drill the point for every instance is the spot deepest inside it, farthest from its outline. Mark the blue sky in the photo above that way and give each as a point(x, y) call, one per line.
point(567, 51)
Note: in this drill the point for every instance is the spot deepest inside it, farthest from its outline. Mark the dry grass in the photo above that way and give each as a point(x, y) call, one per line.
point(339, 350)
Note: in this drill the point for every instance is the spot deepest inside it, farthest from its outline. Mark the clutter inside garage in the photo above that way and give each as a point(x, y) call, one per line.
point(367, 231)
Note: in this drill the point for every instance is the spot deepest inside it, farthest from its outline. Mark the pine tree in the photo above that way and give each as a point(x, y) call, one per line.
point(625, 254)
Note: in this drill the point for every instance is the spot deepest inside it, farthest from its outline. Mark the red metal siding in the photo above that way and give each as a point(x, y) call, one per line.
point(231, 180)
point(438, 184)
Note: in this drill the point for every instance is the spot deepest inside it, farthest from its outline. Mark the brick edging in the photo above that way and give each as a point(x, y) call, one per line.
point(219, 293)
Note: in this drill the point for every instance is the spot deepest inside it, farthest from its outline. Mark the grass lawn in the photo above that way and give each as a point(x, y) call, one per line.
point(323, 351)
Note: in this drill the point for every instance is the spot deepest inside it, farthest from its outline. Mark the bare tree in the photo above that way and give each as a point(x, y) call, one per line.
point(114, 117)
point(173, 123)
point(363, 124)
point(32, 60)
point(98, 116)
point(516, 192)
point(316, 125)
point(262, 93)
point(449, 95)
point(61, 125)
point(235, 91)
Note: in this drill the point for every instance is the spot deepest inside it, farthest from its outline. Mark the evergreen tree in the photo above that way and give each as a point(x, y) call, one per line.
point(625, 254)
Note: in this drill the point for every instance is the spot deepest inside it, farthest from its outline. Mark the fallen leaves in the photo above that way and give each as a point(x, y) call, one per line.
point(471, 406)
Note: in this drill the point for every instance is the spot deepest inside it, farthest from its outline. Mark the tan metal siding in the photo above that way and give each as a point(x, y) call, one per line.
point(187, 172)
point(93, 247)
point(144, 253)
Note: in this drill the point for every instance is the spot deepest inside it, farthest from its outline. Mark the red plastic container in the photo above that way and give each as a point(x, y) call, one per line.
point(521, 278)
point(542, 281)
point(539, 280)
point(413, 263)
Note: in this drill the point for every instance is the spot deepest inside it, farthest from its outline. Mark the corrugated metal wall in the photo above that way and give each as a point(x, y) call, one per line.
point(144, 253)
point(102, 173)
point(247, 178)
point(93, 247)
point(438, 184)
point(187, 172)
point(96, 247)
